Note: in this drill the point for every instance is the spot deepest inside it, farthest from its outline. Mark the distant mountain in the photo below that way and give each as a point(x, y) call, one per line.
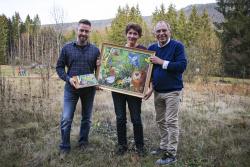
point(101, 24)
point(96, 24)
point(210, 7)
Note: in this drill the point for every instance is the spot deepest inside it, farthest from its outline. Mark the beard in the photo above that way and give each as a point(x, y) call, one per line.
point(82, 39)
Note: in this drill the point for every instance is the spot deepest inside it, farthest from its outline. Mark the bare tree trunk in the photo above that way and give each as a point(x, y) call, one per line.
point(58, 15)
point(28, 44)
point(42, 55)
point(36, 47)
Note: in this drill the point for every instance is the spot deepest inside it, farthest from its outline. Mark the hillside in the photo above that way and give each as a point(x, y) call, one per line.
point(101, 24)
point(210, 7)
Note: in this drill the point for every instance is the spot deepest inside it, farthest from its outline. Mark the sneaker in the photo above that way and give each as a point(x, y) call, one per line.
point(121, 150)
point(166, 161)
point(63, 154)
point(157, 151)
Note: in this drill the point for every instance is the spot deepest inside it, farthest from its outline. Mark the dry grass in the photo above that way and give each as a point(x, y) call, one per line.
point(214, 119)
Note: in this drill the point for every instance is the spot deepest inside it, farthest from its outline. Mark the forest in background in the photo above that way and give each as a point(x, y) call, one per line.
point(214, 116)
point(220, 49)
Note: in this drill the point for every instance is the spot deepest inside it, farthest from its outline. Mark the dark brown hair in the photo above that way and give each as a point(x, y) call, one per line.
point(84, 21)
point(135, 27)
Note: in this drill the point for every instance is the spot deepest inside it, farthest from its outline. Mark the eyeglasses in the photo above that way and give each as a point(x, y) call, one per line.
point(86, 31)
point(161, 30)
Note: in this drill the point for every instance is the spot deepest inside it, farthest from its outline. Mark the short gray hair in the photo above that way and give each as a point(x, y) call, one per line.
point(162, 22)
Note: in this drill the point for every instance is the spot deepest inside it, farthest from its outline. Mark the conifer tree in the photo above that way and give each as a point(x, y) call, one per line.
point(4, 38)
point(182, 31)
point(194, 23)
point(235, 36)
point(171, 18)
point(159, 14)
point(36, 21)
point(116, 33)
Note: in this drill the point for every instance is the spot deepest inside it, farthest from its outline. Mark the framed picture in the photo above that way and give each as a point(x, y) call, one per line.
point(125, 70)
point(86, 80)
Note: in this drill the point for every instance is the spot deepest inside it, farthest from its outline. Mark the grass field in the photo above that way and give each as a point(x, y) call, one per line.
point(214, 120)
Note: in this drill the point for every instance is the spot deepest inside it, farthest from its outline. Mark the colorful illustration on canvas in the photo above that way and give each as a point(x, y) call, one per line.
point(86, 80)
point(124, 70)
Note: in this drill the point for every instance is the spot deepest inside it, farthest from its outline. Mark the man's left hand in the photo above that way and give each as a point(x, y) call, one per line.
point(148, 94)
point(98, 88)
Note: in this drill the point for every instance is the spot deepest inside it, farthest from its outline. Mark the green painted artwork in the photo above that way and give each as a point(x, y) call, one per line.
point(86, 80)
point(125, 70)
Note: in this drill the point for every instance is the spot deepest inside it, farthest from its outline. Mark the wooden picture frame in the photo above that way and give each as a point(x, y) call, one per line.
point(125, 70)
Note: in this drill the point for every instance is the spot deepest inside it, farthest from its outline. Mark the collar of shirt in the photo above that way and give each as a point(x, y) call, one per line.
point(164, 44)
point(75, 44)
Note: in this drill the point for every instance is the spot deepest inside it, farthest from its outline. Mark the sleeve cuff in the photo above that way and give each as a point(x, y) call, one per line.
point(165, 64)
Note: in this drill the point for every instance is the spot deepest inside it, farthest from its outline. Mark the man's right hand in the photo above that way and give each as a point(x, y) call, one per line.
point(156, 60)
point(72, 81)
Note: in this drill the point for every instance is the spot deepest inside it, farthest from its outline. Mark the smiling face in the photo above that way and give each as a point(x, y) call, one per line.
point(132, 37)
point(83, 31)
point(162, 32)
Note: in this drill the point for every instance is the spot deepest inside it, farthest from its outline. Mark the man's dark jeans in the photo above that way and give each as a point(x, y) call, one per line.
point(71, 97)
point(134, 105)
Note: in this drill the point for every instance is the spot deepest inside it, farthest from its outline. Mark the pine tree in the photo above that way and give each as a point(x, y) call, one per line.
point(194, 23)
point(235, 36)
point(116, 33)
point(135, 15)
point(37, 22)
point(28, 22)
point(4, 38)
point(9, 54)
point(208, 47)
point(16, 31)
point(159, 14)
point(181, 28)
point(36, 31)
point(171, 18)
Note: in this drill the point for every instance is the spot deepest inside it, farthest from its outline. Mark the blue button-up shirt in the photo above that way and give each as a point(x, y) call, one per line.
point(79, 60)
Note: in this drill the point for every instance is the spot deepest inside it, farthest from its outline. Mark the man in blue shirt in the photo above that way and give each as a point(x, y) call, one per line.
point(80, 57)
point(169, 64)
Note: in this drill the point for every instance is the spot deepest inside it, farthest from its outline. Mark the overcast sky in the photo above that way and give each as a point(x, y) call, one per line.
point(74, 10)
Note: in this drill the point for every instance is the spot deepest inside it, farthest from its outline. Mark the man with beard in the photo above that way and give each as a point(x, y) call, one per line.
point(80, 57)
